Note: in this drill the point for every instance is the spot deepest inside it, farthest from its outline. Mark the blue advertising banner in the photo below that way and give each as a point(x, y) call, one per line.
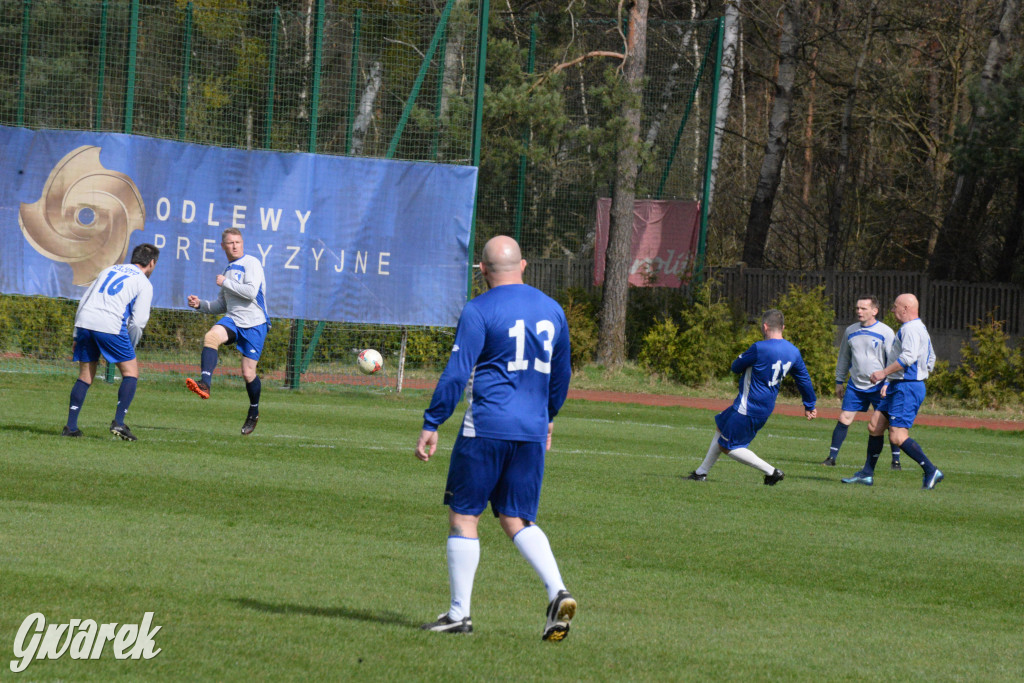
point(340, 238)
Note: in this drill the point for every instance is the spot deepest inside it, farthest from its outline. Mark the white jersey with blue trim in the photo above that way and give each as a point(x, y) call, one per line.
point(761, 369)
point(512, 347)
point(243, 296)
point(118, 300)
point(863, 350)
point(913, 351)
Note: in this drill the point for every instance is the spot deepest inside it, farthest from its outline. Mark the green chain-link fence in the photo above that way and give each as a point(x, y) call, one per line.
point(363, 79)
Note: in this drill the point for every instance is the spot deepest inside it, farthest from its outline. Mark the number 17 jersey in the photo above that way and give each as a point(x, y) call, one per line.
point(512, 348)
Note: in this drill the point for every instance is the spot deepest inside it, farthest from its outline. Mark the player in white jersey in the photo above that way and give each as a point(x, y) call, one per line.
point(863, 349)
point(243, 300)
point(912, 360)
point(109, 322)
point(513, 341)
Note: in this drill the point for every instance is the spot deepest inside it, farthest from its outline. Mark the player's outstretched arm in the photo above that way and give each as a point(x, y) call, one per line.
point(427, 444)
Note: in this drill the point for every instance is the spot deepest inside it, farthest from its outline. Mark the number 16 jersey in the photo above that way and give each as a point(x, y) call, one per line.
point(512, 348)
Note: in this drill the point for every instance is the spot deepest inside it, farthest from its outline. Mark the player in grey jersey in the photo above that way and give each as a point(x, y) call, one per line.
point(913, 359)
point(863, 349)
point(242, 299)
point(109, 322)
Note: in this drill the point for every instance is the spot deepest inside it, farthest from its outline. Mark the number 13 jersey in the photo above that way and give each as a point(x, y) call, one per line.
point(512, 348)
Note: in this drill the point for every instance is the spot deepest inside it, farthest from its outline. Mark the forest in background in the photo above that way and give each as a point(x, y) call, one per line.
point(877, 134)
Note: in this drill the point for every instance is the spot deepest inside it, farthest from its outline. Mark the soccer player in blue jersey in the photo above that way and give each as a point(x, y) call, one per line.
point(913, 360)
point(863, 349)
point(761, 369)
point(109, 322)
point(242, 298)
point(512, 347)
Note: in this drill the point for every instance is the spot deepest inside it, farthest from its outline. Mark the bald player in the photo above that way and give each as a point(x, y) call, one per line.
point(512, 346)
point(912, 360)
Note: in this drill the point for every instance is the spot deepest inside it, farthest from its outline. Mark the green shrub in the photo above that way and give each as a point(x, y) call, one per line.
point(700, 348)
point(37, 326)
point(172, 330)
point(989, 372)
point(429, 347)
point(581, 312)
point(660, 348)
point(275, 348)
point(708, 343)
point(809, 315)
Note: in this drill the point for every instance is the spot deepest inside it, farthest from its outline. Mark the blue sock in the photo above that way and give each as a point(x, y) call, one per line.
point(895, 452)
point(874, 450)
point(838, 436)
point(77, 399)
point(207, 363)
point(911, 448)
point(253, 388)
point(125, 394)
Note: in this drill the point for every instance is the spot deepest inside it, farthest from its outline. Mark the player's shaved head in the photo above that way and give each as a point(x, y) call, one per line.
point(502, 255)
point(909, 301)
point(905, 307)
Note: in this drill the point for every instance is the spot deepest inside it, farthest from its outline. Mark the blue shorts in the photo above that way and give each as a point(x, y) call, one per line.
point(901, 403)
point(737, 430)
point(89, 345)
point(859, 400)
point(248, 340)
point(508, 474)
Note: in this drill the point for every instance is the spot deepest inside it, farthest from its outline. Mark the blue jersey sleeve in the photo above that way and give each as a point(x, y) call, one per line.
point(470, 335)
point(804, 383)
point(561, 370)
point(745, 360)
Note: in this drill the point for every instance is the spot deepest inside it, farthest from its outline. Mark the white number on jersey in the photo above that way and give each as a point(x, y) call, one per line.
point(778, 372)
point(518, 332)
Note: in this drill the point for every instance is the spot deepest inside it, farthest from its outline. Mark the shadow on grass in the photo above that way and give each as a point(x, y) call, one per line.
point(33, 429)
point(331, 612)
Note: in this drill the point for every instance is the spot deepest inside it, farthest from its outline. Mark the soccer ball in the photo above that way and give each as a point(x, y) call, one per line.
point(369, 362)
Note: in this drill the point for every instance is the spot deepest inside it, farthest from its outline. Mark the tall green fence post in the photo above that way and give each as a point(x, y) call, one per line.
point(702, 242)
point(293, 370)
point(26, 22)
point(478, 122)
point(102, 70)
point(418, 83)
point(686, 117)
point(186, 63)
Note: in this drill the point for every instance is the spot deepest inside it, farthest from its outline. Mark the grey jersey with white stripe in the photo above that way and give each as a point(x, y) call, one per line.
point(243, 296)
point(863, 350)
point(913, 350)
point(119, 299)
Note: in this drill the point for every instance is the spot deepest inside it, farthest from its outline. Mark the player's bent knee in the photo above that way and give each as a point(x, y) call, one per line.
point(215, 337)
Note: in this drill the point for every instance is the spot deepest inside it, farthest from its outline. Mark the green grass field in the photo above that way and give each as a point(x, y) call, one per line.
point(314, 549)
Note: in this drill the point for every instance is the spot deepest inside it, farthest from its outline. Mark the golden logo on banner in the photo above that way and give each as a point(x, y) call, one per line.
point(85, 216)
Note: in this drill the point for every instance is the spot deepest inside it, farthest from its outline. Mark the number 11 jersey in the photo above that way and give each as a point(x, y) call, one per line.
point(762, 368)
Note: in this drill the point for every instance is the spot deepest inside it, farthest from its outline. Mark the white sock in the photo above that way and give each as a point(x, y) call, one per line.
point(463, 558)
point(534, 546)
point(748, 457)
point(712, 457)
